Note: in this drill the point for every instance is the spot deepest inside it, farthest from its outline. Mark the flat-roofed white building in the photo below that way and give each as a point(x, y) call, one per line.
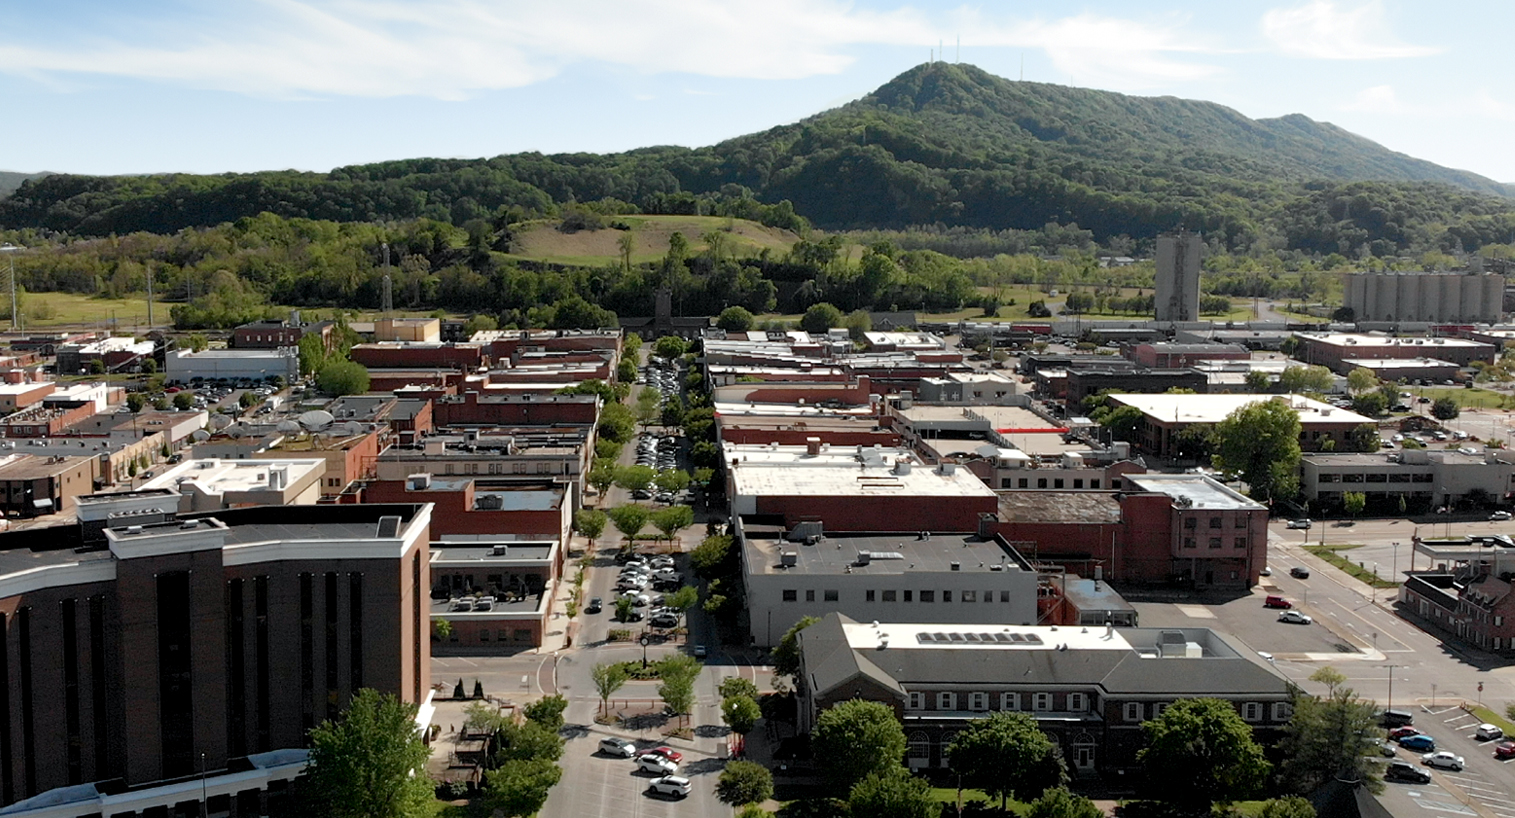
point(1340, 352)
point(209, 485)
point(1165, 415)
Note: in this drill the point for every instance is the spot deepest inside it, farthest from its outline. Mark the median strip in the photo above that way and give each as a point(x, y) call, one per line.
point(1330, 554)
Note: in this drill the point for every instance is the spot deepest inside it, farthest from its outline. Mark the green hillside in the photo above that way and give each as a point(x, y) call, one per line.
point(940, 145)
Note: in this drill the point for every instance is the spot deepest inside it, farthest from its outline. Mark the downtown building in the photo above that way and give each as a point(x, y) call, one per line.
point(149, 657)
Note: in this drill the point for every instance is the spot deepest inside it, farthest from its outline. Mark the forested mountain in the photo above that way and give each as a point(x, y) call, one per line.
point(10, 180)
point(946, 145)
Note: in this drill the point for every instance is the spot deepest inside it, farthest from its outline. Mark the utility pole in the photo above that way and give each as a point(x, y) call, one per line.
point(149, 296)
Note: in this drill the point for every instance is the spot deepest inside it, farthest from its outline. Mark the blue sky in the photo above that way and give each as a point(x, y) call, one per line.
point(92, 86)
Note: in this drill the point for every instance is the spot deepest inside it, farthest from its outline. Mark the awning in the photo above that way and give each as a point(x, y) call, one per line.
point(43, 503)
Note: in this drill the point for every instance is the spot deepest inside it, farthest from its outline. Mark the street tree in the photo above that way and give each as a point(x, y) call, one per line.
point(635, 478)
point(629, 519)
point(737, 686)
point(1122, 422)
point(1257, 381)
point(528, 740)
point(1353, 502)
point(1361, 379)
point(1330, 737)
point(1260, 442)
point(892, 793)
point(1006, 755)
point(1445, 409)
point(672, 480)
point(683, 599)
point(1291, 806)
point(547, 711)
point(672, 520)
point(601, 476)
point(1306, 379)
point(1059, 803)
point(184, 401)
point(857, 738)
point(740, 713)
point(589, 522)
point(624, 608)
point(1364, 438)
point(820, 317)
point(786, 657)
point(608, 678)
point(520, 786)
point(369, 763)
point(670, 347)
point(735, 319)
point(338, 378)
point(1371, 404)
point(710, 557)
point(1200, 752)
point(744, 782)
point(678, 673)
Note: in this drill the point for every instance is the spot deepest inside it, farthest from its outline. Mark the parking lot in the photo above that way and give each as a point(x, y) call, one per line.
point(1257, 625)
point(1485, 781)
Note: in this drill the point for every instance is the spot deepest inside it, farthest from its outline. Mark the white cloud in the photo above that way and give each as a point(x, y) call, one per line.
point(1379, 99)
point(1327, 30)
point(450, 49)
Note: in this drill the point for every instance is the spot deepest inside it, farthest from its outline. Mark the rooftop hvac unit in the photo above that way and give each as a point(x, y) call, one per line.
point(789, 559)
point(499, 550)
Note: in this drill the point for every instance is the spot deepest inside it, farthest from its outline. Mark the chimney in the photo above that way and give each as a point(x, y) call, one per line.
point(812, 446)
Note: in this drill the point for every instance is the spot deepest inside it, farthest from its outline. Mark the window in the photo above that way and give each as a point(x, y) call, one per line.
point(889, 596)
point(483, 634)
point(1041, 702)
point(868, 596)
point(988, 596)
point(1159, 709)
point(810, 595)
point(1078, 702)
point(1498, 621)
point(1378, 478)
point(1215, 542)
point(970, 596)
point(1191, 522)
point(1009, 701)
point(1041, 482)
point(978, 701)
point(907, 595)
point(1004, 596)
point(1241, 522)
point(1133, 711)
point(1005, 483)
point(946, 596)
point(791, 595)
point(1024, 483)
point(1241, 542)
point(928, 596)
point(917, 701)
point(471, 468)
point(946, 701)
point(1188, 542)
point(1057, 483)
point(496, 468)
point(1215, 522)
point(1115, 483)
point(1251, 711)
point(519, 467)
point(1078, 483)
point(829, 596)
point(1281, 711)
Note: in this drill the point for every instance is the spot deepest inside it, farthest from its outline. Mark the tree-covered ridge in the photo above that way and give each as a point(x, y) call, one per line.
point(941, 145)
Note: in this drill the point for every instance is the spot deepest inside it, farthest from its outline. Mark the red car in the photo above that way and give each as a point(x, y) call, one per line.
point(1403, 732)
point(668, 753)
point(1504, 749)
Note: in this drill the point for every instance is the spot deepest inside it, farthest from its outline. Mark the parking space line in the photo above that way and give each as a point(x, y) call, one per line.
point(1455, 809)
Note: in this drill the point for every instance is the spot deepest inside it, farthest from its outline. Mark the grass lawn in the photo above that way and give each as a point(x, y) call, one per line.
point(1488, 716)
point(948, 796)
point(1332, 554)
point(542, 241)
point(1466, 398)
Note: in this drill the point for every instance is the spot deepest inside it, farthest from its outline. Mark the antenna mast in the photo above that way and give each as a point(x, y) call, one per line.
point(387, 300)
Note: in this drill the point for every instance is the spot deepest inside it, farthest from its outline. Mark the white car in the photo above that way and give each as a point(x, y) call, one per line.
point(1295, 618)
point(653, 763)
point(1443, 759)
point(1300, 524)
point(673, 785)
point(1488, 732)
point(1500, 515)
point(618, 747)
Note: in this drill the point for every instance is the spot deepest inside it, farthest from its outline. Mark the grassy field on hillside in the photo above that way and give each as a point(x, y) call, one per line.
point(542, 241)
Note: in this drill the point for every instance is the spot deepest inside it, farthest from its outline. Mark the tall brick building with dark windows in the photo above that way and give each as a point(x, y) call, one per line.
point(143, 650)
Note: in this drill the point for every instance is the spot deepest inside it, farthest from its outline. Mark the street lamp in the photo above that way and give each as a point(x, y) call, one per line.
point(1391, 687)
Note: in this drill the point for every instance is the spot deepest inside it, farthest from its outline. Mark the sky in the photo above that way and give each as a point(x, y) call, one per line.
point(210, 86)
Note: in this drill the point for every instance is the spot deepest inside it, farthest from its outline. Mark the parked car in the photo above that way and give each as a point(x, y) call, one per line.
point(1300, 524)
point(664, 621)
point(614, 746)
point(1386, 749)
point(669, 753)
point(1500, 515)
point(1418, 743)
point(1445, 760)
point(699, 651)
point(671, 785)
point(1403, 732)
point(1488, 732)
point(1267, 571)
point(1397, 718)
point(595, 605)
point(1299, 572)
point(1277, 602)
point(652, 763)
point(1504, 750)
point(1405, 771)
point(1295, 618)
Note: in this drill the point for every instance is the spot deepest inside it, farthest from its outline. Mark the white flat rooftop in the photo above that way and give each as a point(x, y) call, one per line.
point(1203, 491)
point(1397, 363)
point(840, 471)
point(222, 476)
point(864, 636)
point(1167, 408)
point(1346, 339)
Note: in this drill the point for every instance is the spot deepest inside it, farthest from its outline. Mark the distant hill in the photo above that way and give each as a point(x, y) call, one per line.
point(10, 180)
point(940, 144)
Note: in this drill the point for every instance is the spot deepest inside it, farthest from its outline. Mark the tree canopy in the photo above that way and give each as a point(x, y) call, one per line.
point(369, 763)
point(856, 738)
point(1260, 442)
point(1006, 754)
point(1199, 752)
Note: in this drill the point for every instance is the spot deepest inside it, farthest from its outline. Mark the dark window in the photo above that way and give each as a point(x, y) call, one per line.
point(175, 675)
point(907, 595)
point(1024, 482)
point(1191, 522)
point(829, 596)
point(1093, 484)
point(1057, 483)
point(1115, 483)
point(810, 595)
point(307, 650)
point(928, 596)
point(332, 696)
point(71, 692)
point(946, 596)
point(28, 726)
point(1241, 521)
point(236, 672)
point(355, 634)
point(1241, 542)
point(791, 595)
point(1078, 483)
point(1215, 542)
point(260, 647)
point(1215, 522)
point(1004, 482)
point(1378, 478)
point(1041, 482)
point(97, 686)
point(868, 596)
point(889, 596)
point(1004, 596)
point(1188, 542)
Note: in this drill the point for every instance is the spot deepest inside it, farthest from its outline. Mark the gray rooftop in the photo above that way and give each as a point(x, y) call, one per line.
point(888, 553)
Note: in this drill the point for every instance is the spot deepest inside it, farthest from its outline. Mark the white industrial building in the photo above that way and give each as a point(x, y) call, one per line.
point(183, 366)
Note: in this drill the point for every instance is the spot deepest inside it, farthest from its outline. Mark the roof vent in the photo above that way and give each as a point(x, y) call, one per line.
point(789, 559)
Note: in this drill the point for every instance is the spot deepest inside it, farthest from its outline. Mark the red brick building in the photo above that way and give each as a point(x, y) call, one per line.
point(472, 409)
point(393, 354)
point(1164, 355)
point(200, 648)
